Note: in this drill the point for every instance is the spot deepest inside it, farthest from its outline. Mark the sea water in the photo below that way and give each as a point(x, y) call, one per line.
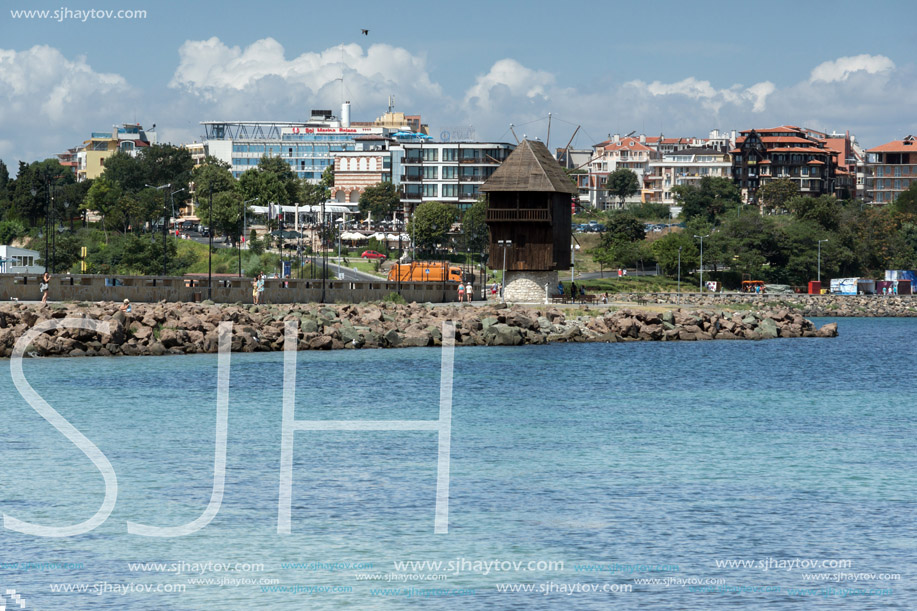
point(682, 475)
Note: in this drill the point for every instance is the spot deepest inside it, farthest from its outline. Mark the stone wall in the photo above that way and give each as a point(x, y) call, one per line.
point(148, 289)
point(528, 287)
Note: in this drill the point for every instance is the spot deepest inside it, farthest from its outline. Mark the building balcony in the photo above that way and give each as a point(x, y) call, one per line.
point(496, 215)
point(411, 177)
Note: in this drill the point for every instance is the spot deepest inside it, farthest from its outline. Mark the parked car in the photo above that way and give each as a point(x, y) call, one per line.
point(372, 254)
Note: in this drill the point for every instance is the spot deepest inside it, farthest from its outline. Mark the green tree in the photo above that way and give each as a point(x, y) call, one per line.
point(666, 252)
point(380, 201)
point(474, 226)
point(283, 173)
point(430, 224)
point(4, 191)
point(709, 198)
point(624, 227)
point(212, 174)
point(164, 163)
point(906, 202)
point(622, 242)
point(824, 210)
point(774, 194)
point(125, 171)
point(104, 197)
point(622, 183)
point(227, 213)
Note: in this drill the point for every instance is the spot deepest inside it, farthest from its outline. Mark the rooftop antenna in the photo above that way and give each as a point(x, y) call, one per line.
point(391, 103)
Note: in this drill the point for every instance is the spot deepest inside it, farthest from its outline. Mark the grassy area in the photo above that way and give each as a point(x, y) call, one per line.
point(637, 284)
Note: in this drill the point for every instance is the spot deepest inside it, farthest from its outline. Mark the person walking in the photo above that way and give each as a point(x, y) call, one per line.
point(461, 292)
point(260, 288)
point(43, 287)
point(469, 288)
point(572, 292)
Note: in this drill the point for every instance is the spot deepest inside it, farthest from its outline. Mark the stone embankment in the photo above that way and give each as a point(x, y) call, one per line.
point(834, 306)
point(186, 328)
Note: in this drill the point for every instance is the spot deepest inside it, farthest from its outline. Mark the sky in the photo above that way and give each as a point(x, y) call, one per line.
point(653, 67)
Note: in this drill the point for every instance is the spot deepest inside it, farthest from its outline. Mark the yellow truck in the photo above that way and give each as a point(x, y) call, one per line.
point(425, 271)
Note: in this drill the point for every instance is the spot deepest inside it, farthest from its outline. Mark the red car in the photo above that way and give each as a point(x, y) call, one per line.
point(372, 254)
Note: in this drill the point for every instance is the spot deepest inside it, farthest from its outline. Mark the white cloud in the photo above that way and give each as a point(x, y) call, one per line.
point(841, 68)
point(49, 102)
point(212, 71)
point(710, 97)
point(507, 78)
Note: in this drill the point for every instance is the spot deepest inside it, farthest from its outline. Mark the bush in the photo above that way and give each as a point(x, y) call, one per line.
point(10, 230)
point(255, 246)
point(394, 298)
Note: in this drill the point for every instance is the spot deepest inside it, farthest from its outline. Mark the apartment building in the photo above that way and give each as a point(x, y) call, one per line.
point(800, 154)
point(683, 167)
point(128, 138)
point(448, 172)
point(614, 154)
point(890, 169)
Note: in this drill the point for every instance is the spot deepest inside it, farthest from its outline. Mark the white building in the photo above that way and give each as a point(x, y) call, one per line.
point(308, 146)
point(19, 261)
point(683, 167)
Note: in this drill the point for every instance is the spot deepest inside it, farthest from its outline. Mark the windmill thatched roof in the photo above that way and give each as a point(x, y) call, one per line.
point(530, 168)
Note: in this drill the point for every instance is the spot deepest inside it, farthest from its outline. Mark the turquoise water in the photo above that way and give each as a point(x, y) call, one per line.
point(655, 460)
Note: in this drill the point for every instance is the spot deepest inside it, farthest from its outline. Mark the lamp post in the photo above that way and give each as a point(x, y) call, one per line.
point(819, 259)
point(504, 244)
point(573, 249)
point(172, 201)
point(679, 271)
point(242, 236)
point(210, 246)
point(702, 260)
point(165, 210)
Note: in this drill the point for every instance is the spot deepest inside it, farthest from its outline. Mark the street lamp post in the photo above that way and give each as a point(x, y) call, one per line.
point(242, 237)
point(819, 259)
point(165, 211)
point(573, 249)
point(210, 247)
point(504, 244)
point(702, 260)
point(679, 271)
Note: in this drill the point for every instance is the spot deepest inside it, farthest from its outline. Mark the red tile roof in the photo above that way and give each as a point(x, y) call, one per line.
point(896, 146)
point(816, 162)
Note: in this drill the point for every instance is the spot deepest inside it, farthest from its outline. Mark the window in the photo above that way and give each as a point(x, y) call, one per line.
point(450, 154)
point(430, 172)
point(430, 190)
point(430, 154)
point(450, 172)
point(450, 190)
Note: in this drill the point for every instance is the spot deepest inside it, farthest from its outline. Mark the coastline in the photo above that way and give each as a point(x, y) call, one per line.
point(191, 328)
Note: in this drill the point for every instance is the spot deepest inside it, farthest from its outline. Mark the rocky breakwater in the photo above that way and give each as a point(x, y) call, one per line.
point(187, 328)
point(834, 306)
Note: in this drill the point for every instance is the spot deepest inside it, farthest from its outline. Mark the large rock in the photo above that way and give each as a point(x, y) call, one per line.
point(767, 328)
point(828, 330)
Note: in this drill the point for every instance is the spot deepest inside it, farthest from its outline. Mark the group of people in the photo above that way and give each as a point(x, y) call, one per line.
point(258, 288)
point(465, 292)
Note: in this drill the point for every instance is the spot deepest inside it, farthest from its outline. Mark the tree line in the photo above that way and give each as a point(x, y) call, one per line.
point(778, 242)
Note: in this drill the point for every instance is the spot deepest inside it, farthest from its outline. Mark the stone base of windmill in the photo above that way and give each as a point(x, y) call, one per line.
point(528, 287)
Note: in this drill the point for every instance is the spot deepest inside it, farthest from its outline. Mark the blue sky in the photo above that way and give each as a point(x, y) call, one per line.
point(678, 68)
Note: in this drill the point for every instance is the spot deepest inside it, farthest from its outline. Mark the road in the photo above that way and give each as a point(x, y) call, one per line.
point(344, 273)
